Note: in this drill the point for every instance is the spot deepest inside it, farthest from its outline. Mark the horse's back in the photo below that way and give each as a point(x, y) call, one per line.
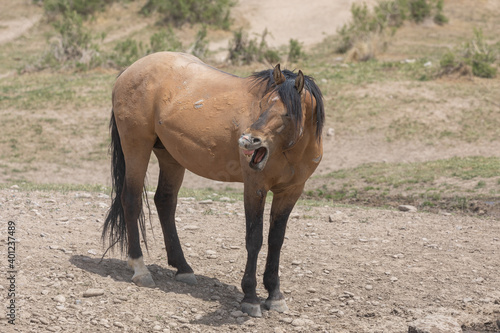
point(197, 111)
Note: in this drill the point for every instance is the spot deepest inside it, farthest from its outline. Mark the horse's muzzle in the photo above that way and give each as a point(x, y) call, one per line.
point(255, 150)
point(246, 141)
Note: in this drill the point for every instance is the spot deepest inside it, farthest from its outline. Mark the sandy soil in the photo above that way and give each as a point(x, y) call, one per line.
point(369, 270)
point(307, 21)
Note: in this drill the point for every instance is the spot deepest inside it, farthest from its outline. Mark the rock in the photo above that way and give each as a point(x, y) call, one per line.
point(103, 205)
point(330, 132)
point(338, 217)
point(136, 320)
point(61, 308)
point(237, 314)
point(191, 227)
point(60, 299)
point(302, 322)
point(43, 321)
point(210, 254)
point(93, 292)
point(368, 287)
point(92, 251)
point(206, 202)
point(407, 208)
point(157, 328)
point(435, 323)
point(118, 324)
point(294, 215)
point(83, 195)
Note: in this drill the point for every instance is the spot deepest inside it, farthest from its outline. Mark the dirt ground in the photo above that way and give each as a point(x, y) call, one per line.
point(369, 270)
point(343, 268)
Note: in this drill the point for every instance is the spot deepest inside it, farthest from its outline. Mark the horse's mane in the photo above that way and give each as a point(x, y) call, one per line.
point(291, 98)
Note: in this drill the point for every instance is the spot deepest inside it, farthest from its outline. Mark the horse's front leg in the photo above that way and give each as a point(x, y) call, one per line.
point(283, 203)
point(255, 200)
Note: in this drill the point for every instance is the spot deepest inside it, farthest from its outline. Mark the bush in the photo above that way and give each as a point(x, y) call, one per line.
point(365, 25)
point(474, 57)
point(126, 52)
point(83, 8)
point(243, 50)
point(73, 46)
point(295, 52)
point(177, 12)
point(367, 31)
point(419, 10)
point(200, 46)
point(439, 17)
point(164, 40)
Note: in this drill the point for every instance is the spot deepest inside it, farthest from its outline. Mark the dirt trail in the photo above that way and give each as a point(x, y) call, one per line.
point(307, 21)
point(11, 29)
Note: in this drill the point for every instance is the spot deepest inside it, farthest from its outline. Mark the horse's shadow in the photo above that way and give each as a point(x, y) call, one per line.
point(207, 289)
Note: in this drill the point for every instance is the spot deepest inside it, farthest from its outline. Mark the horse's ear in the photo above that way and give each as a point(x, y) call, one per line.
point(279, 78)
point(299, 82)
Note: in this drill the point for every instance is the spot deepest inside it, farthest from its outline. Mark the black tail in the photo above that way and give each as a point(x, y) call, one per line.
point(115, 220)
point(114, 225)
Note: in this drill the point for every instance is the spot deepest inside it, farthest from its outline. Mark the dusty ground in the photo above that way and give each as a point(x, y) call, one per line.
point(369, 270)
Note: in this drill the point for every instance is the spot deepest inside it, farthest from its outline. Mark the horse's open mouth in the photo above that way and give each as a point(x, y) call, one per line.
point(258, 157)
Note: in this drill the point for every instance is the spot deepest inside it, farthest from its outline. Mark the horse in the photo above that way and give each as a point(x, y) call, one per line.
point(263, 130)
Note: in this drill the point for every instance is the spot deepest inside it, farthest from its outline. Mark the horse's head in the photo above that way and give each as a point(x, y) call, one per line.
point(283, 112)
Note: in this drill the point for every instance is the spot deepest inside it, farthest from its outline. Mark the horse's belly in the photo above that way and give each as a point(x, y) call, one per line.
point(210, 155)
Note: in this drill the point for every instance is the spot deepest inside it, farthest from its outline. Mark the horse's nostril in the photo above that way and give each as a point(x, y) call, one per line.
point(256, 140)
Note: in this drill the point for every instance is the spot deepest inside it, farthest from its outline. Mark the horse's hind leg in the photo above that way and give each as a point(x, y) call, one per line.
point(136, 161)
point(169, 183)
point(282, 206)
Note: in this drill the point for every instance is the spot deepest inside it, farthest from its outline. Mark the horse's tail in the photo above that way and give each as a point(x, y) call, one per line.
point(114, 225)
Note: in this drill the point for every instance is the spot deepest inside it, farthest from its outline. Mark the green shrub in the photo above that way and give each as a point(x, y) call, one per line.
point(481, 67)
point(212, 12)
point(480, 56)
point(164, 40)
point(73, 46)
point(126, 52)
point(368, 29)
point(419, 10)
point(243, 50)
point(295, 51)
point(200, 46)
point(475, 54)
point(84, 8)
point(448, 60)
point(439, 17)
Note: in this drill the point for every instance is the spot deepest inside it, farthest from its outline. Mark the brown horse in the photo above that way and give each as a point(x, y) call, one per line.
point(263, 130)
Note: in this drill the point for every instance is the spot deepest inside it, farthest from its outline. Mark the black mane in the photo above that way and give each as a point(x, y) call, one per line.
point(290, 97)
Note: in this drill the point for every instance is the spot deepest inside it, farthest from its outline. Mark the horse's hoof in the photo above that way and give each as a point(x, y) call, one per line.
point(252, 310)
point(144, 281)
point(278, 305)
point(187, 278)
